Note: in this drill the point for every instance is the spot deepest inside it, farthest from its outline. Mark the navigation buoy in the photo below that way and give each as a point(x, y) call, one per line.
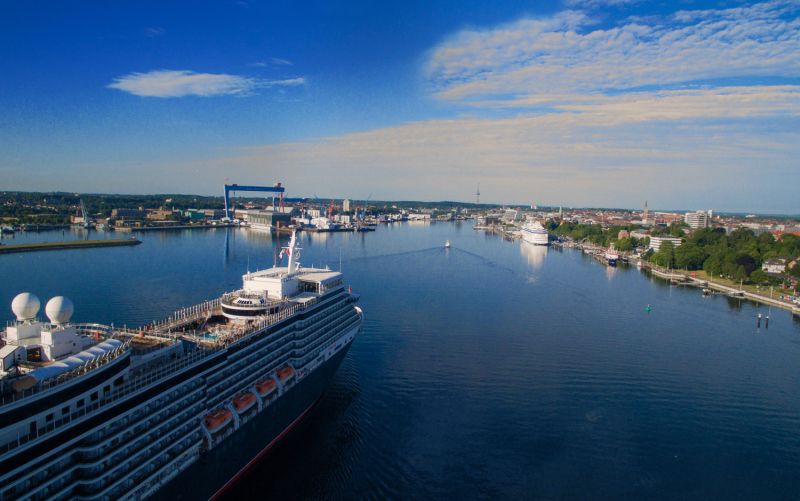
point(648, 309)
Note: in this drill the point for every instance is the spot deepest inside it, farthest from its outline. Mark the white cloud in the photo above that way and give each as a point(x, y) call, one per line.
point(153, 32)
point(273, 61)
point(180, 83)
point(595, 4)
point(564, 54)
point(609, 150)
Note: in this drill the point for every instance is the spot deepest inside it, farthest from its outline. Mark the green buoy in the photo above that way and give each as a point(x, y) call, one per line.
point(648, 309)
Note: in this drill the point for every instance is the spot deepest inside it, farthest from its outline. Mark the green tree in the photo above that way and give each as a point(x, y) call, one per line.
point(690, 256)
point(665, 256)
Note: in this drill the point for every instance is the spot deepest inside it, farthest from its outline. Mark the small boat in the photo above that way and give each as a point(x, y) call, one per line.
point(284, 373)
point(447, 244)
point(264, 388)
point(217, 419)
point(706, 291)
point(244, 402)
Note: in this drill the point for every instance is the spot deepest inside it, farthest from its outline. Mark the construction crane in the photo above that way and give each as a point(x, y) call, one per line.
point(277, 188)
point(85, 216)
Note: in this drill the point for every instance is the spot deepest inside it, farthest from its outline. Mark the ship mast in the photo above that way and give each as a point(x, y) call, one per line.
point(292, 251)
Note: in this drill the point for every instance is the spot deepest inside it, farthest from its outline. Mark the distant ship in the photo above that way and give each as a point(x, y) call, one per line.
point(534, 233)
point(611, 256)
point(186, 405)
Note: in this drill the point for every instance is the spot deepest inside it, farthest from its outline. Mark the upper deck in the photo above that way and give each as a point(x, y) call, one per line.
point(41, 356)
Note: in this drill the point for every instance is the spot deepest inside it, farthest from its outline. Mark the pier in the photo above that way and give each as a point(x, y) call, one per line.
point(65, 245)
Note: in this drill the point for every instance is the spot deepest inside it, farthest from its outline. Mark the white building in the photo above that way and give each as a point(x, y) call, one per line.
point(697, 219)
point(346, 205)
point(774, 266)
point(655, 242)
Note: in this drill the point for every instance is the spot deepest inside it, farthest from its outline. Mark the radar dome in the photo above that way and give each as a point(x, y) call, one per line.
point(59, 310)
point(25, 306)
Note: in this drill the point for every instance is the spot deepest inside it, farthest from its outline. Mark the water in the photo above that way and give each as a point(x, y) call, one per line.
point(489, 370)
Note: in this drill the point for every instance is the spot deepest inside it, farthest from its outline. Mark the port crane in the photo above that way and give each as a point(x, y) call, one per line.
point(85, 216)
point(229, 188)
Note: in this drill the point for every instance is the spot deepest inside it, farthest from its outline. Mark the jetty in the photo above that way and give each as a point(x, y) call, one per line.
point(68, 244)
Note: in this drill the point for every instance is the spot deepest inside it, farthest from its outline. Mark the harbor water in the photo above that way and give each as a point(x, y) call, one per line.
point(492, 369)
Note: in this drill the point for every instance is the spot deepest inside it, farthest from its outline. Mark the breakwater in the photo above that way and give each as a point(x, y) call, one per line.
point(65, 245)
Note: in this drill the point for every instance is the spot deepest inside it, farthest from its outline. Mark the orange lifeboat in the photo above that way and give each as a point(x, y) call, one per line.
point(285, 373)
point(217, 419)
point(244, 402)
point(266, 387)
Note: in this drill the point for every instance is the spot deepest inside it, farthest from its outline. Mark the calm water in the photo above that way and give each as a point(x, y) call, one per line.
point(489, 370)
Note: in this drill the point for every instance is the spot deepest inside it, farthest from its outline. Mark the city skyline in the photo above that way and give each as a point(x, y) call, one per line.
point(596, 103)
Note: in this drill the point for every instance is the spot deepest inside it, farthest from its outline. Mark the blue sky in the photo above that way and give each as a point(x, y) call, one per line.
point(579, 102)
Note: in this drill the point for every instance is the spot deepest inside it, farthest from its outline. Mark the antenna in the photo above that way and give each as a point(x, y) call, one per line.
point(478, 195)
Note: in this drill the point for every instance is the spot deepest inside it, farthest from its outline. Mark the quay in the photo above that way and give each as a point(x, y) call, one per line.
point(179, 227)
point(677, 277)
point(65, 245)
point(681, 278)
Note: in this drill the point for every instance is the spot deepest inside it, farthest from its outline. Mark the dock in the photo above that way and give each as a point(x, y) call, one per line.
point(681, 278)
point(180, 227)
point(66, 245)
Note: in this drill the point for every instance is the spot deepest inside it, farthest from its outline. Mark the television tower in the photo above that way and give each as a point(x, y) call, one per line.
point(478, 195)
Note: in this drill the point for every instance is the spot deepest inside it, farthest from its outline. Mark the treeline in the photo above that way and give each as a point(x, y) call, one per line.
point(738, 255)
point(597, 235)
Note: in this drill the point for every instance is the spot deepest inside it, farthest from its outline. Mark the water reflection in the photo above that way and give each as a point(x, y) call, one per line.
point(535, 254)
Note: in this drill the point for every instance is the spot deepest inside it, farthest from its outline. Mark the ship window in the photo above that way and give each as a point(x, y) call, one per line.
point(49, 417)
point(80, 403)
point(65, 410)
point(94, 396)
point(106, 390)
point(33, 429)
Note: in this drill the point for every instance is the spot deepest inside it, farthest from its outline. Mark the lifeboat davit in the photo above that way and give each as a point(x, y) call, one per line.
point(264, 388)
point(244, 402)
point(217, 419)
point(285, 373)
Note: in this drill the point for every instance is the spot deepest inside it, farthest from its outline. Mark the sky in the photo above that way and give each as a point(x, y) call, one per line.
point(602, 103)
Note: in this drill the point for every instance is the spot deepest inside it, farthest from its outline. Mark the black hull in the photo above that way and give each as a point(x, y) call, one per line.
point(222, 465)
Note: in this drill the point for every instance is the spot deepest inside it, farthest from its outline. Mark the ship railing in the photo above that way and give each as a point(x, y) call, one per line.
point(187, 315)
point(132, 386)
point(9, 396)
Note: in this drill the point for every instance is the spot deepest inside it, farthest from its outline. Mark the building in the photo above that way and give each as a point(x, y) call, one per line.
point(266, 219)
point(623, 234)
point(655, 242)
point(127, 213)
point(214, 213)
point(697, 219)
point(159, 214)
point(775, 266)
point(645, 213)
point(346, 205)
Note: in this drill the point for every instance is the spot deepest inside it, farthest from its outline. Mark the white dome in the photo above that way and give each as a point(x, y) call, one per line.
point(59, 310)
point(25, 306)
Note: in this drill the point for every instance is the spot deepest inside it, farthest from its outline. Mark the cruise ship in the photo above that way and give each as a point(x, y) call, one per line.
point(534, 233)
point(184, 405)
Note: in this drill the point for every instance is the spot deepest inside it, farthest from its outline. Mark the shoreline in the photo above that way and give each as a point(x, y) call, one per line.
point(685, 278)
